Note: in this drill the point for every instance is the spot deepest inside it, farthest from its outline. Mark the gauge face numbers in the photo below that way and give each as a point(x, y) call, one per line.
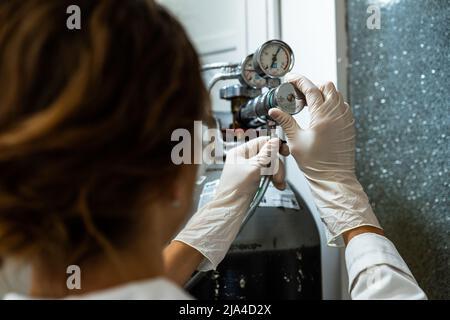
point(250, 76)
point(275, 58)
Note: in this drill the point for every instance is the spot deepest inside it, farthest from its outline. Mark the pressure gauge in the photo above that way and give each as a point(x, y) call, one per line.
point(249, 76)
point(274, 59)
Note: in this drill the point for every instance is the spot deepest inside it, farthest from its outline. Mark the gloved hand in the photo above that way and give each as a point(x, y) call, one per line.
point(215, 226)
point(325, 152)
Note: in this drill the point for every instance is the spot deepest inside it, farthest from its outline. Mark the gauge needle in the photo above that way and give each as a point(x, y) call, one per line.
point(274, 58)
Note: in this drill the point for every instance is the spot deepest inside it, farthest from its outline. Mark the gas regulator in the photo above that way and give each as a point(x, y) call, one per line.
point(260, 85)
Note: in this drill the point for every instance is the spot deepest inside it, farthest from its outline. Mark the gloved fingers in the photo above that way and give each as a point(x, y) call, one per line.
point(279, 178)
point(348, 110)
point(286, 121)
point(257, 147)
point(314, 97)
point(250, 148)
point(343, 106)
point(329, 91)
point(284, 149)
point(349, 118)
point(267, 158)
point(341, 112)
point(334, 106)
point(271, 163)
point(268, 151)
point(345, 113)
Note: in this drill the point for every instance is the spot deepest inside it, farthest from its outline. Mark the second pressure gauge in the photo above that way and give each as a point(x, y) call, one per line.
point(274, 59)
point(249, 76)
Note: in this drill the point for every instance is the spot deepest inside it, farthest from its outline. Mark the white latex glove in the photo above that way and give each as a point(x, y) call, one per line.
point(325, 152)
point(215, 226)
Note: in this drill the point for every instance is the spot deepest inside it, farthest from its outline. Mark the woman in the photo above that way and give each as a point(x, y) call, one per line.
point(86, 177)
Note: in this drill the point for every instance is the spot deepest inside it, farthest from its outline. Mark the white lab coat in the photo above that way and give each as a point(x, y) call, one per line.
point(375, 268)
point(154, 289)
point(377, 271)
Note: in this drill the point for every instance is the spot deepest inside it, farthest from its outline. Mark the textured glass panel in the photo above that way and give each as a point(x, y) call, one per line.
point(400, 91)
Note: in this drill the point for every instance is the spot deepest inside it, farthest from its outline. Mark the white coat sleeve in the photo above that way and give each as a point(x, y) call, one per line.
point(377, 271)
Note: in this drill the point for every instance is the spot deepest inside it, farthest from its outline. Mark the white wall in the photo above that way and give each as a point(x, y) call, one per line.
point(218, 30)
point(226, 31)
point(216, 27)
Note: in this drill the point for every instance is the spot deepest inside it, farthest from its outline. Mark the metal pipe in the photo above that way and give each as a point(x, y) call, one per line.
point(221, 77)
point(219, 65)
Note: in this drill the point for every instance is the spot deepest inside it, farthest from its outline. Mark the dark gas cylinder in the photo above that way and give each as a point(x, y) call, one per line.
point(276, 256)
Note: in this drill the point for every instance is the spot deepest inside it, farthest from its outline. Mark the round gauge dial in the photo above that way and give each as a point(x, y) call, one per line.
point(274, 59)
point(249, 74)
point(288, 100)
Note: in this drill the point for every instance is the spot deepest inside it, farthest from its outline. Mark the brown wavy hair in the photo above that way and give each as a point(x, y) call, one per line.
point(86, 118)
